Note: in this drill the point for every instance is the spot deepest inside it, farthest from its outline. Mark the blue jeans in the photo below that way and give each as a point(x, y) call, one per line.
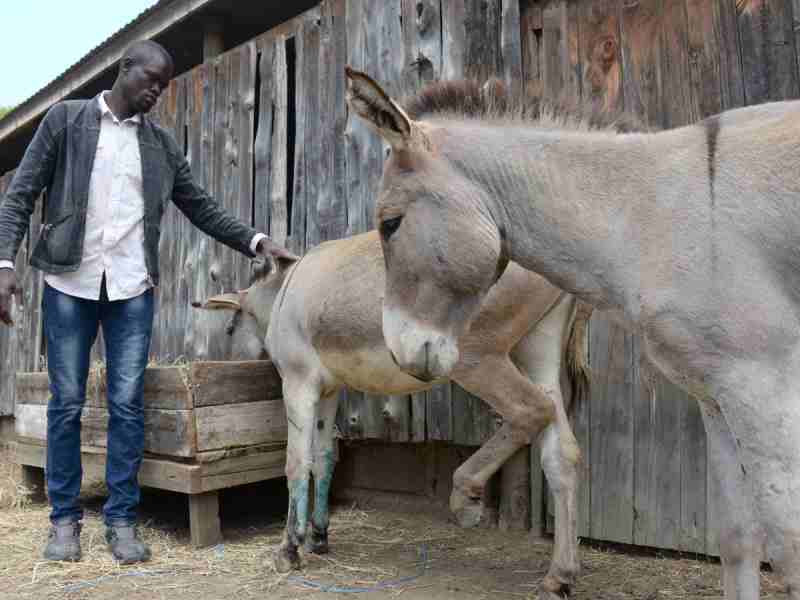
point(70, 327)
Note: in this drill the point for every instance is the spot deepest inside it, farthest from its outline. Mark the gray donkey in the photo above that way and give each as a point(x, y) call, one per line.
point(319, 318)
point(689, 237)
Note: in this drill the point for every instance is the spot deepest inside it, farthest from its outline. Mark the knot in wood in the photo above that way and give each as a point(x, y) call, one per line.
point(425, 15)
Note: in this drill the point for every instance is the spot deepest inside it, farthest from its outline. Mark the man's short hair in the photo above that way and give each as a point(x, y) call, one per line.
point(145, 49)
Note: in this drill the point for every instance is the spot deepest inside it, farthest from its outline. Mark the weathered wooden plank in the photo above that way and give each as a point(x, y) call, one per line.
point(308, 147)
point(612, 431)
point(417, 428)
point(329, 200)
point(473, 421)
point(155, 473)
point(674, 66)
point(511, 43)
point(640, 26)
point(657, 450)
point(559, 57)
point(422, 42)
point(282, 112)
point(262, 148)
point(515, 492)
point(297, 98)
point(30, 421)
point(396, 414)
point(531, 41)
point(217, 482)
point(731, 80)
point(226, 382)
point(769, 58)
point(166, 432)
point(600, 54)
point(194, 246)
point(32, 388)
point(693, 480)
point(268, 457)
point(228, 426)
point(439, 408)
point(174, 290)
point(704, 65)
point(167, 115)
point(166, 388)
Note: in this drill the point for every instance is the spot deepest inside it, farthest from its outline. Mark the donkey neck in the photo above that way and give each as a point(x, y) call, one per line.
point(567, 203)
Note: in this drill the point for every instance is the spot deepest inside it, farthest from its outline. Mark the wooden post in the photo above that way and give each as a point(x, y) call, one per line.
point(33, 481)
point(204, 525)
point(213, 37)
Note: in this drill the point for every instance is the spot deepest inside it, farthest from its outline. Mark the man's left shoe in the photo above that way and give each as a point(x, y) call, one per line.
point(125, 545)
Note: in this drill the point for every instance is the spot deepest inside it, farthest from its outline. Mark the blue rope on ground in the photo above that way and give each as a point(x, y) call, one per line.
point(73, 587)
point(422, 552)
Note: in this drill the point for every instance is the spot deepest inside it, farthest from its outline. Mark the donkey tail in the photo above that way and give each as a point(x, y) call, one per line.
point(577, 363)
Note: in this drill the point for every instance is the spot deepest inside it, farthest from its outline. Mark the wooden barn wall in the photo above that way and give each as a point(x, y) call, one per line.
point(266, 131)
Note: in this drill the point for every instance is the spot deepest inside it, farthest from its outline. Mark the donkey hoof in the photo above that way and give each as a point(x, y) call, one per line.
point(467, 511)
point(286, 559)
point(552, 589)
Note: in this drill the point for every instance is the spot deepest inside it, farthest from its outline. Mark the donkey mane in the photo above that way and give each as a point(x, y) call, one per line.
point(492, 100)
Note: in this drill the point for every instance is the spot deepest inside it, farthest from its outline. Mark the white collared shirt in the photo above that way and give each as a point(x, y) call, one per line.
point(114, 236)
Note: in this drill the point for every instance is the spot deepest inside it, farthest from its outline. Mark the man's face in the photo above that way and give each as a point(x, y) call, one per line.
point(144, 81)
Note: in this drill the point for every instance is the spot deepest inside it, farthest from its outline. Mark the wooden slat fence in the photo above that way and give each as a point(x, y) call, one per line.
point(266, 131)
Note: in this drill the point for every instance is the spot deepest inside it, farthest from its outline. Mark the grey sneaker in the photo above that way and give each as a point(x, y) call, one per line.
point(125, 545)
point(64, 541)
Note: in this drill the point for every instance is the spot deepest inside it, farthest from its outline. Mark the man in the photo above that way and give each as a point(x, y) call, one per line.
point(109, 172)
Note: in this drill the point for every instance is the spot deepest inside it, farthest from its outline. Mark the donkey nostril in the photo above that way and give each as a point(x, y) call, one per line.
point(394, 358)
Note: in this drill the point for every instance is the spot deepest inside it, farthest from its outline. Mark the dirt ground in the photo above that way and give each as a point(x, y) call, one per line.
point(376, 554)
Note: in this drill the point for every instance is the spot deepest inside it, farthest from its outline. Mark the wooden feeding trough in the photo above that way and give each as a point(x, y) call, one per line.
point(208, 426)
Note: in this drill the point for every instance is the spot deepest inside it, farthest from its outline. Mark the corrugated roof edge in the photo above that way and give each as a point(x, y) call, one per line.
point(170, 11)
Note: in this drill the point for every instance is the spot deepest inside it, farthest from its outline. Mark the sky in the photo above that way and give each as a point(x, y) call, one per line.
point(42, 38)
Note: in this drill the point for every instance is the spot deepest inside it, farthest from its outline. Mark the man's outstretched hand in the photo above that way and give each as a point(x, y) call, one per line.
point(8, 287)
point(268, 248)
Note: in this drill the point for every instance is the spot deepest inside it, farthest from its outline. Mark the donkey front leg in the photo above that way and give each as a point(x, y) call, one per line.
point(324, 461)
point(761, 406)
point(301, 404)
point(526, 408)
point(739, 538)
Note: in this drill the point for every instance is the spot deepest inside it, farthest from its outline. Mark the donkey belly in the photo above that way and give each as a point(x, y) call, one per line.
point(371, 370)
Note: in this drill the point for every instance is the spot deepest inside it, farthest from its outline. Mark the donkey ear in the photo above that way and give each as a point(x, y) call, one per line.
point(230, 301)
point(372, 104)
point(284, 262)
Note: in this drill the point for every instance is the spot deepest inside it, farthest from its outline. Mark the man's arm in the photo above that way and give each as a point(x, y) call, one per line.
point(32, 176)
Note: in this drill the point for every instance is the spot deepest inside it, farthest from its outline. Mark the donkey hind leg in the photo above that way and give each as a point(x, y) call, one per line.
point(324, 461)
point(561, 470)
point(739, 538)
point(301, 403)
point(540, 355)
point(526, 408)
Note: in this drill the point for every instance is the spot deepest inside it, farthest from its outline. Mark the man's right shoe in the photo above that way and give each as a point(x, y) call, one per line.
point(64, 541)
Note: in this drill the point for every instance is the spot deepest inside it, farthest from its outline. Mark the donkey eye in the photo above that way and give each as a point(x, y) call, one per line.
point(389, 226)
